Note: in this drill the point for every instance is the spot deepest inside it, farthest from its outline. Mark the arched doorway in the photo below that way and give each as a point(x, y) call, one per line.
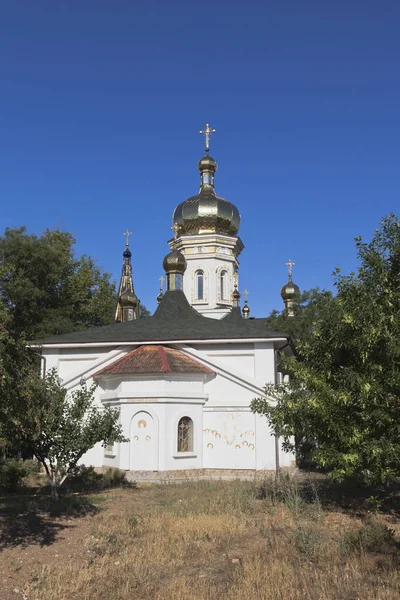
point(143, 443)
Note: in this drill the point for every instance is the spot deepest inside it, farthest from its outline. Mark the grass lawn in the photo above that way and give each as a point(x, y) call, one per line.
point(200, 540)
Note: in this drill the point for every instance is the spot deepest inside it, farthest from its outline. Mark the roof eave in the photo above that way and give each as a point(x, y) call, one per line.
point(282, 339)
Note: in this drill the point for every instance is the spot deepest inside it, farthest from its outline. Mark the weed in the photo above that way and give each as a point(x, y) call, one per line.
point(371, 536)
point(374, 504)
point(308, 541)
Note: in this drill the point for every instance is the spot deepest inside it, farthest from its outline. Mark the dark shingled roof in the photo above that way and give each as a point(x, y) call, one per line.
point(174, 319)
point(154, 359)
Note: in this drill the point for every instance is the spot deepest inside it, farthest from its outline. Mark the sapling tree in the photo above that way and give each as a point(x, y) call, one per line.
point(60, 428)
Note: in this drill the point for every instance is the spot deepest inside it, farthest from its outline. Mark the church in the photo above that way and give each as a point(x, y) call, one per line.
point(183, 378)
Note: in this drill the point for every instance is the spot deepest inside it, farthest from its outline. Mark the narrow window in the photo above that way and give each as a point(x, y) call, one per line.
point(199, 285)
point(224, 285)
point(185, 435)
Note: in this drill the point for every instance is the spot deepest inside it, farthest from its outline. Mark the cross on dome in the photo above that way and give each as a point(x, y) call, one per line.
point(290, 264)
point(127, 234)
point(175, 228)
point(207, 132)
point(161, 280)
point(245, 294)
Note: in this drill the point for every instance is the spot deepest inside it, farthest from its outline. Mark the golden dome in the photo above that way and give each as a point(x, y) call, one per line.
point(207, 163)
point(246, 310)
point(129, 299)
point(174, 262)
point(290, 291)
point(206, 212)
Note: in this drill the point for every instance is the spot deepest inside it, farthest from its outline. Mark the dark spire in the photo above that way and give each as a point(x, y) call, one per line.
point(161, 293)
point(128, 303)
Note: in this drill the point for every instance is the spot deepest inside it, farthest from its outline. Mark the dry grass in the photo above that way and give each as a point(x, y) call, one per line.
point(207, 540)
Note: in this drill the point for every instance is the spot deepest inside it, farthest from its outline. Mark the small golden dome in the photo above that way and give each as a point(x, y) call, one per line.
point(290, 291)
point(174, 262)
point(235, 294)
point(207, 163)
point(246, 310)
point(129, 299)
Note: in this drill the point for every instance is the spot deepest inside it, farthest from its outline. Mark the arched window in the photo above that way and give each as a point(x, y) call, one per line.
point(199, 285)
point(223, 285)
point(185, 435)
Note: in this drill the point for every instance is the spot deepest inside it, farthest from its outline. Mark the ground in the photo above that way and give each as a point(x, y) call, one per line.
point(239, 540)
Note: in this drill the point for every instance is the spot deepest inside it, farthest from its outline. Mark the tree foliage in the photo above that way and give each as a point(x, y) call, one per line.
point(60, 428)
point(18, 367)
point(46, 289)
point(344, 390)
point(306, 312)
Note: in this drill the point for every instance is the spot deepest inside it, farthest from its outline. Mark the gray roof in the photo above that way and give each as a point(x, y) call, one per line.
point(174, 319)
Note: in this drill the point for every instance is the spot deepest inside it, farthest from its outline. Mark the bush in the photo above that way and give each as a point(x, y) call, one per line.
point(12, 473)
point(87, 478)
point(114, 478)
point(372, 536)
point(32, 467)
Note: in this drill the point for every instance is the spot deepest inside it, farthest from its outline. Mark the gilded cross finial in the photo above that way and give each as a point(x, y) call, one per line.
point(207, 132)
point(161, 280)
point(127, 234)
point(245, 294)
point(290, 264)
point(175, 229)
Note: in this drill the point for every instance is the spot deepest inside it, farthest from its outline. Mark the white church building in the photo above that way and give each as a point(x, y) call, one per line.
point(183, 378)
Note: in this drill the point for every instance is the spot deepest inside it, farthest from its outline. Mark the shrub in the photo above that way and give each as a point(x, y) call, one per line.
point(114, 478)
point(371, 536)
point(12, 473)
point(86, 478)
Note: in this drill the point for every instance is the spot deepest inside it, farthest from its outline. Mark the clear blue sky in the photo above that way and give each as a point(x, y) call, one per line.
point(101, 101)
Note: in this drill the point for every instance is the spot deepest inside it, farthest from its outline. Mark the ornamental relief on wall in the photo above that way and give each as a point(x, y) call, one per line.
point(230, 436)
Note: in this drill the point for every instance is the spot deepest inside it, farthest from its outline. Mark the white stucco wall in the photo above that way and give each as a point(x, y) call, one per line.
point(227, 435)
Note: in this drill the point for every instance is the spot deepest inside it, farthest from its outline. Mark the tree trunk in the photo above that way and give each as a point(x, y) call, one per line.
point(54, 488)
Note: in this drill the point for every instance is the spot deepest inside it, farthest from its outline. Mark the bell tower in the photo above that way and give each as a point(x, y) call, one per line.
point(206, 228)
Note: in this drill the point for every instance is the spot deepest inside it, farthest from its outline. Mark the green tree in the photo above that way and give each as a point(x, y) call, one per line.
point(143, 312)
point(60, 428)
point(300, 326)
point(344, 390)
point(18, 367)
point(46, 289)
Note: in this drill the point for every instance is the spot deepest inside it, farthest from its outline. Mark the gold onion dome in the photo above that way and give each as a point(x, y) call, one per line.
point(246, 310)
point(206, 212)
point(129, 299)
point(290, 291)
point(235, 294)
point(174, 262)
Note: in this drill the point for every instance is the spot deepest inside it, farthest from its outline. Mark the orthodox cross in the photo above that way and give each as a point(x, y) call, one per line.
point(127, 234)
point(207, 132)
point(290, 264)
point(161, 280)
point(245, 294)
point(175, 228)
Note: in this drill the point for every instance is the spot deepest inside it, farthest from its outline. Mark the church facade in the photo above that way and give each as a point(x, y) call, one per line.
point(183, 379)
